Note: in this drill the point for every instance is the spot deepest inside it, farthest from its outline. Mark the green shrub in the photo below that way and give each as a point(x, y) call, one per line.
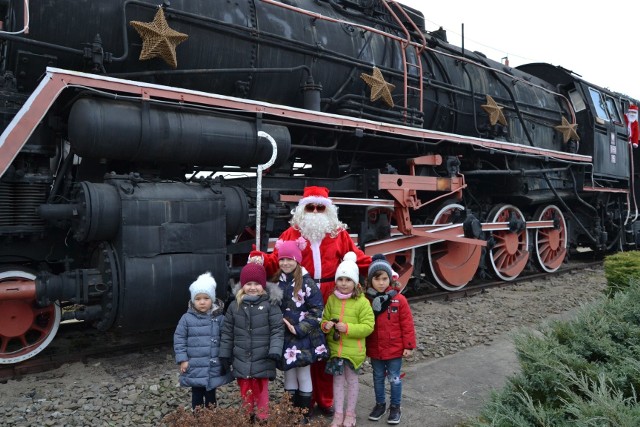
point(583, 372)
point(621, 271)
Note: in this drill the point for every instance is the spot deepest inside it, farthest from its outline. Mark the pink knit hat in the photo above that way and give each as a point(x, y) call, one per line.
point(291, 249)
point(253, 273)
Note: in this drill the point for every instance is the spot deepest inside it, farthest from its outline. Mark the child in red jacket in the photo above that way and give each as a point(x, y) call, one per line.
point(392, 339)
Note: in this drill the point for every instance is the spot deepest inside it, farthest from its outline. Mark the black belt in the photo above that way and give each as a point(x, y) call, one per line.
point(324, 280)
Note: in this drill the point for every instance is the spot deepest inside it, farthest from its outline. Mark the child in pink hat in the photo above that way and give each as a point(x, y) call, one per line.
point(301, 306)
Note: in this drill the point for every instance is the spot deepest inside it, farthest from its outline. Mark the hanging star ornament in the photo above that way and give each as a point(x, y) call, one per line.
point(567, 130)
point(158, 40)
point(494, 111)
point(379, 87)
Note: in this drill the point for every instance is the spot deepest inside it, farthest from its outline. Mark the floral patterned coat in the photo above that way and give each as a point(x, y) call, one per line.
point(304, 312)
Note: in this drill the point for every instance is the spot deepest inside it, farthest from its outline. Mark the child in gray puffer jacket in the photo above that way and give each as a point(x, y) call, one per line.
point(196, 343)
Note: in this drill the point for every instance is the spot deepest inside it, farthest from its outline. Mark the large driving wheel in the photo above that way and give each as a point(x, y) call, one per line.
point(402, 262)
point(25, 328)
point(509, 254)
point(452, 264)
point(551, 243)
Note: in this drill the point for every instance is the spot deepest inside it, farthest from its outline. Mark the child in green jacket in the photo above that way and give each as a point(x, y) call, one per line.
point(347, 319)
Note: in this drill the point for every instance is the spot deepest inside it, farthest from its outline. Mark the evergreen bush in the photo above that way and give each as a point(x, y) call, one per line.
point(582, 372)
point(621, 271)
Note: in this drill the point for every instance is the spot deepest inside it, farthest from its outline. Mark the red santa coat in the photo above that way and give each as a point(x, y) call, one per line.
point(393, 332)
point(321, 260)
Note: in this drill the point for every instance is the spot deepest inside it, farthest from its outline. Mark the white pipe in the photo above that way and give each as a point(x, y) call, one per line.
point(274, 153)
point(24, 29)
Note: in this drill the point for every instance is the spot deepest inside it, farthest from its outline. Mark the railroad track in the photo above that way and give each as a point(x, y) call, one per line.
point(77, 342)
point(80, 343)
point(475, 288)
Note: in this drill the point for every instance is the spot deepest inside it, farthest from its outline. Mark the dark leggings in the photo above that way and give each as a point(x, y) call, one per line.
point(200, 396)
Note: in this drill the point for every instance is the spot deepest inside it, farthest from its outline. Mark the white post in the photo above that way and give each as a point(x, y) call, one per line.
point(274, 153)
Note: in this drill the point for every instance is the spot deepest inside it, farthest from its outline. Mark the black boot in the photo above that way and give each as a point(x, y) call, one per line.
point(303, 401)
point(292, 396)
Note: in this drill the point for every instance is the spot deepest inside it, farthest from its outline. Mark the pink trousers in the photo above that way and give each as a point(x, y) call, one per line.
point(255, 396)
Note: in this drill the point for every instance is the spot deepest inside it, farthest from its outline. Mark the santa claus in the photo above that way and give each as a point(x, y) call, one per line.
point(631, 119)
point(316, 220)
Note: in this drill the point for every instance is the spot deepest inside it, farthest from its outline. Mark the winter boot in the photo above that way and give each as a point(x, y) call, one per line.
point(378, 411)
point(338, 418)
point(303, 401)
point(292, 396)
point(349, 420)
point(394, 414)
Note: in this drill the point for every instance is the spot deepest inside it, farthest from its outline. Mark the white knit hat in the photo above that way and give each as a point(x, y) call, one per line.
point(204, 284)
point(349, 268)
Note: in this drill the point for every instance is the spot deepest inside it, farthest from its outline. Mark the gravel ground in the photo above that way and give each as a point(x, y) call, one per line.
point(139, 389)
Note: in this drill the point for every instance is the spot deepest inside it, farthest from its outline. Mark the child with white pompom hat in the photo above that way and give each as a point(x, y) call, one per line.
point(347, 320)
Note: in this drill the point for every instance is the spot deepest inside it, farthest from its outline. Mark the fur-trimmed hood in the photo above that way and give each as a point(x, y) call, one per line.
point(216, 309)
point(273, 290)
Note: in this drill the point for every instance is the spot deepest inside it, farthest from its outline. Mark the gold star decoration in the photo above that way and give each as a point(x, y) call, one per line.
point(158, 40)
point(567, 130)
point(379, 87)
point(494, 111)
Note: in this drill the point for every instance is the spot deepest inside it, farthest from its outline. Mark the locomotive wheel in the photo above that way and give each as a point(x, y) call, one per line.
point(551, 243)
point(452, 264)
point(401, 262)
point(509, 255)
point(25, 328)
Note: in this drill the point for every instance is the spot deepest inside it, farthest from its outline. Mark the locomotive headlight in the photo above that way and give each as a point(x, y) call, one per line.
point(443, 184)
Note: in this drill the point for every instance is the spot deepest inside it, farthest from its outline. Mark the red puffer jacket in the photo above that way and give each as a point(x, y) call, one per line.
point(393, 332)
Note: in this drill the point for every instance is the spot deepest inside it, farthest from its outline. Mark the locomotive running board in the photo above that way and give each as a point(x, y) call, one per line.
point(421, 235)
point(425, 235)
point(56, 80)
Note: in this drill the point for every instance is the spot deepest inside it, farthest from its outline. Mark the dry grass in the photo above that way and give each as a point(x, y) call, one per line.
point(281, 414)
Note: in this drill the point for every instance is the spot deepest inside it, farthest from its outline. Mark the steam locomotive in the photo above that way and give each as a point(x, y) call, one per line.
point(145, 143)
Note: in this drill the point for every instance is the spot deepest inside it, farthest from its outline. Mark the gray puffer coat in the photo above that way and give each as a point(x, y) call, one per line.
point(197, 340)
point(252, 331)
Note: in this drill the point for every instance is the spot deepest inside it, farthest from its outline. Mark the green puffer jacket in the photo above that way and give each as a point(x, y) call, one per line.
point(358, 315)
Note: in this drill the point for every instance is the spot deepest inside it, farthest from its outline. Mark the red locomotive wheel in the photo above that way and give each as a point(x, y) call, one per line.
point(402, 262)
point(509, 255)
point(452, 264)
point(25, 328)
point(551, 243)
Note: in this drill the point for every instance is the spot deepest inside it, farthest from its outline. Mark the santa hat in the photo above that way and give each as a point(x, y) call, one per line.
point(315, 195)
point(633, 108)
point(379, 263)
point(291, 248)
point(349, 268)
point(253, 272)
point(204, 284)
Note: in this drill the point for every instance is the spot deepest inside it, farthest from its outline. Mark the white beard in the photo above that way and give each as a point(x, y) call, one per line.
point(315, 226)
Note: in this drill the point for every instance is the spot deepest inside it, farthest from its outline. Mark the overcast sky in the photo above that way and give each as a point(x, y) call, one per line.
point(601, 43)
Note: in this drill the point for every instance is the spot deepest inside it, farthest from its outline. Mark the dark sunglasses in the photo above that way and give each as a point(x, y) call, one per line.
point(314, 208)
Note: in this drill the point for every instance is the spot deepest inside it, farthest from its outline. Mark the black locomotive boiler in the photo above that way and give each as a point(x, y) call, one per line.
point(144, 143)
